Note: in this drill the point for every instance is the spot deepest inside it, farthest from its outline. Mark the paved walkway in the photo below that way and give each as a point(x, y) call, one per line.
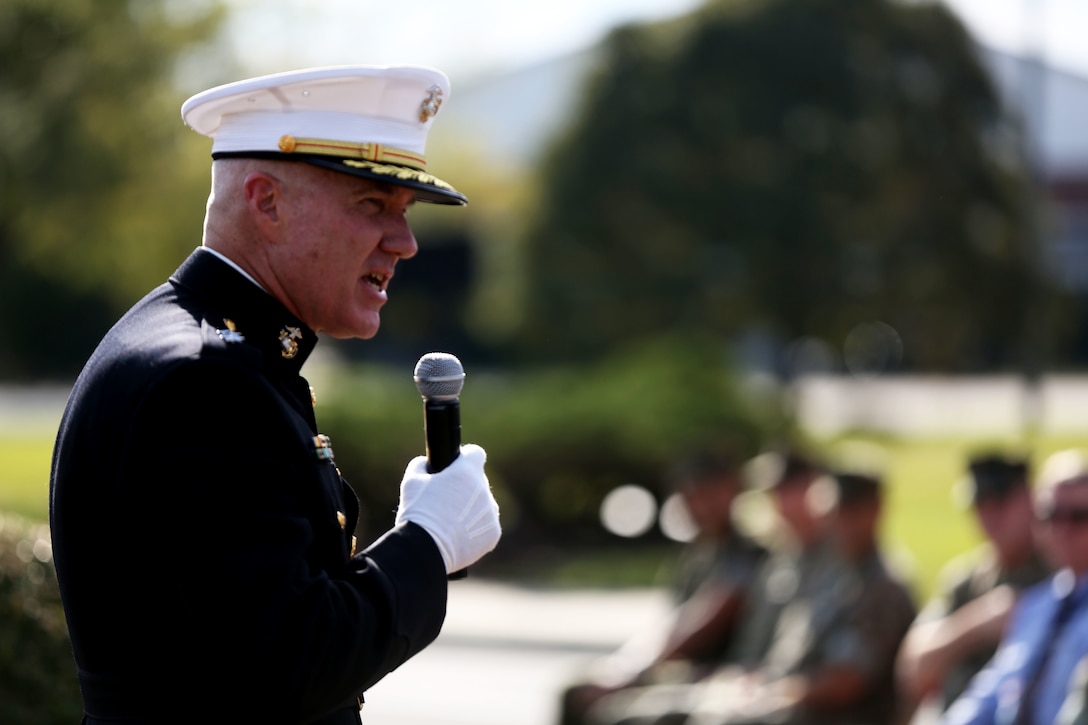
point(488, 612)
point(506, 652)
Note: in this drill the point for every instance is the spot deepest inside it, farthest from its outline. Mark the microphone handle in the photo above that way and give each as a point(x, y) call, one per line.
point(442, 423)
point(442, 420)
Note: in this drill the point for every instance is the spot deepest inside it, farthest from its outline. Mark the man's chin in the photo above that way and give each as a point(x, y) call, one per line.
point(353, 332)
point(361, 335)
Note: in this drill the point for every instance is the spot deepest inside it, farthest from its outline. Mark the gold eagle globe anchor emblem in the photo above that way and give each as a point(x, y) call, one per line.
point(288, 335)
point(429, 107)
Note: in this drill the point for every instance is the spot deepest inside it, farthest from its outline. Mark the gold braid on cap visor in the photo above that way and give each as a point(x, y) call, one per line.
point(373, 152)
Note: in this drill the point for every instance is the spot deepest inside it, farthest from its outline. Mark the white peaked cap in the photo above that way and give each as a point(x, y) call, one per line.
point(368, 121)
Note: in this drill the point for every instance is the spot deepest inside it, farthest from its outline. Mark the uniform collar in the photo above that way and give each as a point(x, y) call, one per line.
point(234, 265)
point(253, 313)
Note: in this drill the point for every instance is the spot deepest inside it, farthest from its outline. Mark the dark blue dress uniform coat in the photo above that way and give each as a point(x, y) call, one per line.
point(203, 537)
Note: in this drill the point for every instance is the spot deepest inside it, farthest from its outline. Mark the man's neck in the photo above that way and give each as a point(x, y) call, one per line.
point(1014, 559)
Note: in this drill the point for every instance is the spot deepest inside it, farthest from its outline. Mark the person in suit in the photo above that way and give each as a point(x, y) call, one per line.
point(201, 530)
point(1037, 674)
point(957, 633)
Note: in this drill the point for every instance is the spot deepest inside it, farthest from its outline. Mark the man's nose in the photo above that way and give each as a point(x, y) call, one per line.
point(399, 240)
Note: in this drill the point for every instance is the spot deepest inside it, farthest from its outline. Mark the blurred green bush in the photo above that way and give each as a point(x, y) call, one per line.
point(558, 439)
point(37, 673)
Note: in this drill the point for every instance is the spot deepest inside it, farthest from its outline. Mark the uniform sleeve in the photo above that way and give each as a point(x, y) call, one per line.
point(740, 567)
point(263, 613)
point(891, 617)
point(871, 623)
point(954, 584)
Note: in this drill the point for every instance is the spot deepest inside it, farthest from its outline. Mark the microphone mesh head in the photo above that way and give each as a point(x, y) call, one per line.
point(439, 376)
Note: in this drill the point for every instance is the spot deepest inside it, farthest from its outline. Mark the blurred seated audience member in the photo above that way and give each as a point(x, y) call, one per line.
point(799, 552)
point(831, 648)
point(709, 584)
point(1038, 675)
point(832, 658)
point(958, 631)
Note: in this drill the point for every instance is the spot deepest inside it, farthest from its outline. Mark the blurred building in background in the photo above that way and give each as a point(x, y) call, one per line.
point(1054, 107)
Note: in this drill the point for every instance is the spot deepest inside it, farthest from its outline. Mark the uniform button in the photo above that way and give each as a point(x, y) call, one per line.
point(342, 519)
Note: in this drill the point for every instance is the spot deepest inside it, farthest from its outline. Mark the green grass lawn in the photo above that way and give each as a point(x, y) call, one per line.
point(922, 521)
point(24, 475)
point(922, 518)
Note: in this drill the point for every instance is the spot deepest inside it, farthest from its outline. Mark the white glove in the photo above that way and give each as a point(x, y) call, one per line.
point(454, 506)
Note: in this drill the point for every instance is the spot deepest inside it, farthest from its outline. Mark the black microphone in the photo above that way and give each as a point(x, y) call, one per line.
point(439, 378)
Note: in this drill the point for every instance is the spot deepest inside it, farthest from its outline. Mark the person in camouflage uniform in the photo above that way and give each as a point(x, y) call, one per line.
point(831, 657)
point(820, 641)
point(709, 583)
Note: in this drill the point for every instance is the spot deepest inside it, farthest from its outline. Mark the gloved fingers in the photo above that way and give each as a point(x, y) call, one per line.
point(474, 454)
point(455, 506)
point(468, 467)
point(416, 467)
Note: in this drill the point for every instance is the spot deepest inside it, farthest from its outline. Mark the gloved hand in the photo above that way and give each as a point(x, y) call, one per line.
point(454, 506)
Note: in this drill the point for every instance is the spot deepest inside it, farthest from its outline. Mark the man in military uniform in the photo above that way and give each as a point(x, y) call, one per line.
point(202, 533)
point(800, 554)
point(958, 632)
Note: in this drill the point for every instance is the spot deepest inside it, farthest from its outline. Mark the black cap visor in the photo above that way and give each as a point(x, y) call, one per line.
point(428, 188)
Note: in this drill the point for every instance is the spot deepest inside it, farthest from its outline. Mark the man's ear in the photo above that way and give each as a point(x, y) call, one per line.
point(263, 197)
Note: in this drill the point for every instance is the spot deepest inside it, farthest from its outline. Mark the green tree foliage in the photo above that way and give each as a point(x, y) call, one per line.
point(98, 202)
point(797, 166)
